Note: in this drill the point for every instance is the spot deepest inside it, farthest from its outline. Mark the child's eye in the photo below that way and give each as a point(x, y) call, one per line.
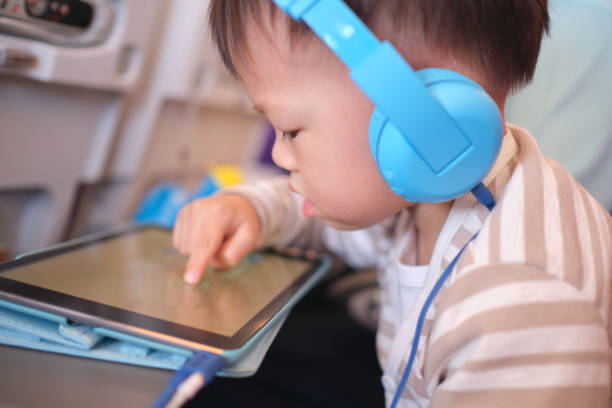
point(289, 136)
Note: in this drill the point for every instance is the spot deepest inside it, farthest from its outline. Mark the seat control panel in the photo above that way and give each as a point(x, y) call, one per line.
point(61, 22)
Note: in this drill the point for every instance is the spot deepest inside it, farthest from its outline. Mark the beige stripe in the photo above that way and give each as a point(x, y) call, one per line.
point(504, 177)
point(485, 277)
point(542, 340)
point(533, 341)
point(508, 319)
point(494, 237)
point(532, 376)
point(461, 237)
point(534, 359)
point(545, 397)
point(416, 384)
point(569, 232)
point(467, 258)
point(480, 247)
point(533, 212)
point(444, 263)
point(501, 180)
point(507, 296)
point(507, 151)
point(604, 225)
point(605, 240)
point(596, 245)
point(428, 323)
point(553, 220)
point(586, 274)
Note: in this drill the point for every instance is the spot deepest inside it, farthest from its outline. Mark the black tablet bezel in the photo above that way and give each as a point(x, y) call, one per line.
point(100, 315)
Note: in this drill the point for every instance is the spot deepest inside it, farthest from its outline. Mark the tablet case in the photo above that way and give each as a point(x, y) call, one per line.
point(34, 329)
point(26, 327)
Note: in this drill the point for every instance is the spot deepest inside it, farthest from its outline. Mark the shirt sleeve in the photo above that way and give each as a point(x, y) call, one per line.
point(280, 216)
point(512, 335)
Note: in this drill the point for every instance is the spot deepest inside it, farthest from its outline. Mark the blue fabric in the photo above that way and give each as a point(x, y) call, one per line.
point(162, 204)
point(207, 364)
point(24, 330)
point(29, 328)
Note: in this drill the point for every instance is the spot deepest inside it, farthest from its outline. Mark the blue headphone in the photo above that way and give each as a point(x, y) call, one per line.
point(434, 134)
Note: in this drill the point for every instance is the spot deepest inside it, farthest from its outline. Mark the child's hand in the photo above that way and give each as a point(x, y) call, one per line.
point(219, 230)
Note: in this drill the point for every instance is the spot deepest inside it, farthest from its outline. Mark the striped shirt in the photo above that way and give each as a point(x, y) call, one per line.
point(523, 318)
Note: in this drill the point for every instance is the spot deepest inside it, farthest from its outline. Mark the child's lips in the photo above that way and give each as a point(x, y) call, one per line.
point(308, 208)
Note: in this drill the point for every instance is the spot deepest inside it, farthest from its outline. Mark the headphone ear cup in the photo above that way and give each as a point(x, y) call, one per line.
point(472, 110)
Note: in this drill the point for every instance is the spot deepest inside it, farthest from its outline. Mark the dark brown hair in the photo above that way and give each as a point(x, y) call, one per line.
point(500, 38)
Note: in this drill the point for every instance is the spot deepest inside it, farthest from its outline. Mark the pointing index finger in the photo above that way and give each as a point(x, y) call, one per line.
point(199, 259)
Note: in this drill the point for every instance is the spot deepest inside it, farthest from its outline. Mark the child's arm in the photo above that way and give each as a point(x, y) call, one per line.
point(222, 229)
point(515, 336)
point(280, 214)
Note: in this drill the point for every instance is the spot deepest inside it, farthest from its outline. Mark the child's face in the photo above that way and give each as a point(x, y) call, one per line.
point(306, 93)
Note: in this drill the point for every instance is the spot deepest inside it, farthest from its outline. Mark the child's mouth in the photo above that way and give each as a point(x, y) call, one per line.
point(308, 208)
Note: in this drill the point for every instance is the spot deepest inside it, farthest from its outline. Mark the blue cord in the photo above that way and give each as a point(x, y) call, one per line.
point(484, 196)
point(207, 364)
point(417, 332)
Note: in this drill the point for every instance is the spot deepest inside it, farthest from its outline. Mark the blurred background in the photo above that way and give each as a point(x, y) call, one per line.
point(112, 109)
point(103, 100)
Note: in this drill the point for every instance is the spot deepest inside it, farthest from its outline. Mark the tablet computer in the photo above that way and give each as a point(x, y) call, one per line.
point(132, 282)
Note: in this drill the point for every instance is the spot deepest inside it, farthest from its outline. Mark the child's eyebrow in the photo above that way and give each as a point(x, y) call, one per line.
point(272, 107)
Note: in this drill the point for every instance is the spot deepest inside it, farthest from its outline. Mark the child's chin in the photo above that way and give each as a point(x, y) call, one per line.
point(344, 225)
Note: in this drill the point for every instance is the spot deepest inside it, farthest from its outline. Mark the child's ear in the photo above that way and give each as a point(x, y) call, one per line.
point(453, 136)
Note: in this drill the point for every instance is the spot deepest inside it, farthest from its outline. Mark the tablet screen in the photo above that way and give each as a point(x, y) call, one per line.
point(140, 272)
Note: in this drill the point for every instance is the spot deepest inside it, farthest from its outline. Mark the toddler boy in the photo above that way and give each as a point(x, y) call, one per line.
point(522, 319)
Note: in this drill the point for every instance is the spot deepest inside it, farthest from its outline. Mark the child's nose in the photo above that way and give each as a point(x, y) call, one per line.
point(283, 154)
